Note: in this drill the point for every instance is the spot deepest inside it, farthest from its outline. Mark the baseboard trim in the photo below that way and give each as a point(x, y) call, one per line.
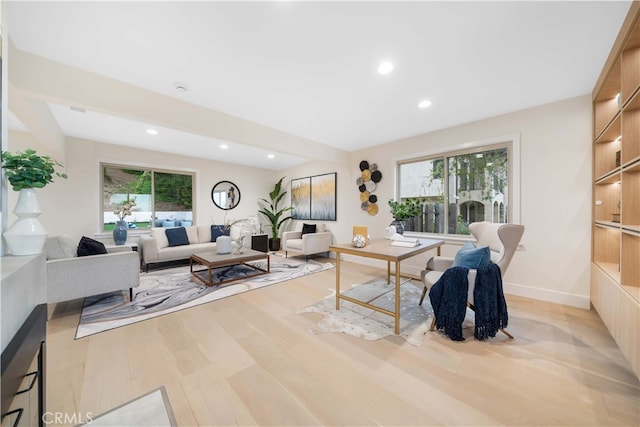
point(549, 295)
point(580, 301)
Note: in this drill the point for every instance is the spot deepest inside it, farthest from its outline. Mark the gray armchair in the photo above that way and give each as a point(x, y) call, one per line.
point(502, 240)
point(70, 277)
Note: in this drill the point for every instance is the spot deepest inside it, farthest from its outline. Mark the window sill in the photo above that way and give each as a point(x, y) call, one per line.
point(448, 238)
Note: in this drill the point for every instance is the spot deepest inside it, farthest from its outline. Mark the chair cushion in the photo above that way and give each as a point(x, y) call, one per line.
point(159, 234)
point(471, 257)
point(308, 228)
point(60, 247)
point(177, 236)
point(294, 244)
point(88, 246)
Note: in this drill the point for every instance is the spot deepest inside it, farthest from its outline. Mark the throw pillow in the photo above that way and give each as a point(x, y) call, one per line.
point(88, 246)
point(177, 236)
point(60, 247)
point(308, 228)
point(471, 257)
point(217, 231)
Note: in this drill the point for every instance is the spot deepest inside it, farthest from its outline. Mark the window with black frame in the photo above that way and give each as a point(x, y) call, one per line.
point(146, 197)
point(457, 188)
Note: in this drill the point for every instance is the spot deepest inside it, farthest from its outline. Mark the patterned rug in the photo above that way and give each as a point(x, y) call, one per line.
point(166, 291)
point(368, 324)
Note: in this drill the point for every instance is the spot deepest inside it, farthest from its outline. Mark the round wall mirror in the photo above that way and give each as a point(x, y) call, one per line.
point(225, 195)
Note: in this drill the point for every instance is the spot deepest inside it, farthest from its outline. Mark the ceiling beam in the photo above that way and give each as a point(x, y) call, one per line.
point(50, 81)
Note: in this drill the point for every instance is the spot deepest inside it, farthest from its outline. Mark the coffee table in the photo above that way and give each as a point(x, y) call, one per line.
point(212, 260)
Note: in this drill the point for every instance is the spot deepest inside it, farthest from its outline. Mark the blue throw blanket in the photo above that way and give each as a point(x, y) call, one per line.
point(449, 301)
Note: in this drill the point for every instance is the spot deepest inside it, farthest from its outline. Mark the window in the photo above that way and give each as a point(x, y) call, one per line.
point(458, 188)
point(162, 198)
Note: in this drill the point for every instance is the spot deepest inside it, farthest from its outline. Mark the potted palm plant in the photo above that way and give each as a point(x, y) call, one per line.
point(402, 211)
point(274, 215)
point(25, 172)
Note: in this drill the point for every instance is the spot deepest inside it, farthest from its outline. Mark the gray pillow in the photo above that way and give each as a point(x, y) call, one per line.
point(60, 247)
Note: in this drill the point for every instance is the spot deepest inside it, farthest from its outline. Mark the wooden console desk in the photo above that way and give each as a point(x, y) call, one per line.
point(382, 249)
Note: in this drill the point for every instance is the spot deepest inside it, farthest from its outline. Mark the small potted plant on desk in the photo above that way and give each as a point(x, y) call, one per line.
point(274, 215)
point(402, 211)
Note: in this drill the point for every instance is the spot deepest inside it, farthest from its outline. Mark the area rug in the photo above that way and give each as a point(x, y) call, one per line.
point(166, 291)
point(151, 409)
point(369, 324)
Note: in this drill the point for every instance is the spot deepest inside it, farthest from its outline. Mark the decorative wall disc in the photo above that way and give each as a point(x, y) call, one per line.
point(366, 182)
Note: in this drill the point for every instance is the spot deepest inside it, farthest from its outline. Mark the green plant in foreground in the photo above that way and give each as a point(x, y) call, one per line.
point(29, 170)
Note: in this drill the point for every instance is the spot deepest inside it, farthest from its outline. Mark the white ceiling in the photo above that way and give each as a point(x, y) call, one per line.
point(309, 68)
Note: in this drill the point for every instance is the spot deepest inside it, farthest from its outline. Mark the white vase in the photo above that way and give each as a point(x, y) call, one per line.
point(26, 236)
point(223, 244)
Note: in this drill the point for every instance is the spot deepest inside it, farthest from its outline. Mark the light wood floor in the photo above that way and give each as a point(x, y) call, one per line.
point(249, 360)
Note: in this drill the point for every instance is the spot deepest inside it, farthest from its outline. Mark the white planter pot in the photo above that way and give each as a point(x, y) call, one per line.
point(26, 236)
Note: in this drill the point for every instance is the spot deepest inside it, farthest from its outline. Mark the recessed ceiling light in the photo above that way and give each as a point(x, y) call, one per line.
point(271, 156)
point(77, 109)
point(385, 68)
point(181, 87)
point(152, 131)
point(224, 146)
point(424, 104)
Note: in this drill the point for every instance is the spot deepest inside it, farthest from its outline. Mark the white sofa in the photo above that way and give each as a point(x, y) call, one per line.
point(307, 244)
point(70, 277)
point(156, 249)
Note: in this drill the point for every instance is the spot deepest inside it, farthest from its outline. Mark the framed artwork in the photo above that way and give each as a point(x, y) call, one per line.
point(323, 197)
point(301, 198)
point(314, 197)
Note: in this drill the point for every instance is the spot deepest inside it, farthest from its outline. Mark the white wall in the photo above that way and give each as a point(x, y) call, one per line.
point(553, 263)
point(555, 194)
point(73, 206)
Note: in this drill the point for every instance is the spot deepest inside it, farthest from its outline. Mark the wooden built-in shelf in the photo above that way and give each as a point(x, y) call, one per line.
point(612, 176)
point(607, 104)
point(615, 283)
point(607, 200)
point(611, 268)
point(629, 70)
point(607, 224)
point(633, 229)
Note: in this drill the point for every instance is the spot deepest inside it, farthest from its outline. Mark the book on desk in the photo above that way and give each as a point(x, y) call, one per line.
point(406, 242)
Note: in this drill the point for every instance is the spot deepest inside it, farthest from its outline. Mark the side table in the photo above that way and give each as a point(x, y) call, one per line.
point(125, 248)
point(260, 242)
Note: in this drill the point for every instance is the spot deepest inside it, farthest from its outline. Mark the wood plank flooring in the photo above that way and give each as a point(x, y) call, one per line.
point(249, 360)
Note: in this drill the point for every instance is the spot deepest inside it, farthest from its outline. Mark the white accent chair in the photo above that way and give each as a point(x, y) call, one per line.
point(502, 240)
point(307, 244)
point(70, 277)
